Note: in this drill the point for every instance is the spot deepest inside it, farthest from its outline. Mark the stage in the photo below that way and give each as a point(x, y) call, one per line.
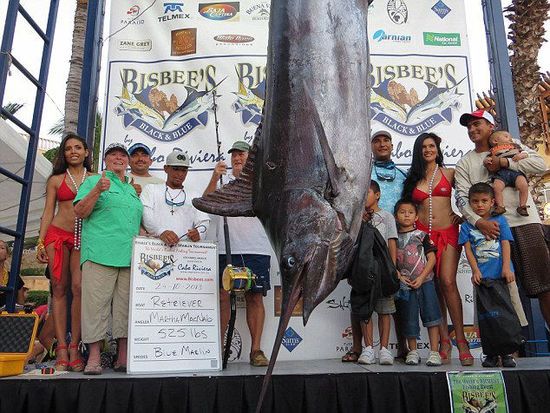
point(306, 386)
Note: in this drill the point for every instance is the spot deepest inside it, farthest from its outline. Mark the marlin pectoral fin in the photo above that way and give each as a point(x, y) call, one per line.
point(332, 168)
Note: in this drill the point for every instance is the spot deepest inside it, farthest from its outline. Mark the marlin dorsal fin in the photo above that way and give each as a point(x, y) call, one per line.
point(330, 162)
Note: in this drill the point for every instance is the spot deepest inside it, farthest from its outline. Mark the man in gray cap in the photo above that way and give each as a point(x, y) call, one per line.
point(167, 210)
point(140, 162)
point(250, 248)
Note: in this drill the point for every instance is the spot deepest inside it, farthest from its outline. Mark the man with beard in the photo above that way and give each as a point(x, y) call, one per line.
point(140, 162)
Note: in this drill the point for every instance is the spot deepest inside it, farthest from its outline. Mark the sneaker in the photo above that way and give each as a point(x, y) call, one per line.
point(412, 358)
point(386, 358)
point(490, 361)
point(367, 356)
point(258, 359)
point(508, 361)
point(434, 359)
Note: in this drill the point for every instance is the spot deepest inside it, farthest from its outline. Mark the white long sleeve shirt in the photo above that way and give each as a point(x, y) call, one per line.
point(158, 217)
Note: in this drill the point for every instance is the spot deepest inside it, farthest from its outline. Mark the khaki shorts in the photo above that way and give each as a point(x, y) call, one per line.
point(384, 305)
point(104, 288)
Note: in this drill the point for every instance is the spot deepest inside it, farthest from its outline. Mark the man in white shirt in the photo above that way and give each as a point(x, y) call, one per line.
point(530, 253)
point(140, 162)
point(167, 210)
point(250, 248)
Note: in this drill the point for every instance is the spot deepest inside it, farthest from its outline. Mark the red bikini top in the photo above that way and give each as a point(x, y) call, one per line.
point(443, 188)
point(64, 193)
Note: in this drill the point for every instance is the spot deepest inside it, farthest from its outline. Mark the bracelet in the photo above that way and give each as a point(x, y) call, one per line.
point(40, 244)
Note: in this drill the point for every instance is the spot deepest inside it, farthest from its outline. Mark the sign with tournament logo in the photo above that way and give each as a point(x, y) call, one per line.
point(174, 317)
point(477, 392)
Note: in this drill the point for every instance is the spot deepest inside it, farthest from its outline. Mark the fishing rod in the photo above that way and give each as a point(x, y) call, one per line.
point(228, 261)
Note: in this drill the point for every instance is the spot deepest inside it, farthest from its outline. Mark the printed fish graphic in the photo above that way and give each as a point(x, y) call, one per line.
point(139, 106)
point(309, 167)
point(381, 100)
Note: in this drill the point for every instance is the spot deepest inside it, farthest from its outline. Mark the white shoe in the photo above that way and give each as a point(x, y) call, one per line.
point(367, 356)
point(386, 358)
point(434, 359)
point(412, 358)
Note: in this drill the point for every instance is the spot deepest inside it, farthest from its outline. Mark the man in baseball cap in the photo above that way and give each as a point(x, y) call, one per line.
point(478, 114)
point(140, 162)
point(116, 146)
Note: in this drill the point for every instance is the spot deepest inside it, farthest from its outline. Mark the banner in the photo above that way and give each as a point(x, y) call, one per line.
point(477, 392)
point(171, 63)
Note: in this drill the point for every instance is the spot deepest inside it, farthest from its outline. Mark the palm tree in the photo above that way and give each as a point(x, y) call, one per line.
point(11, 108)
point(526, 34)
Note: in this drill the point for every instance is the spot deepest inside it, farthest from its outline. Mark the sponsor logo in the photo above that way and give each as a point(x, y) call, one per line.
point(291, 339)
point(472, 336)
point(397, 11)
point(411, 99)
point(135, 45)
point(132, 15)
point(441, 9)
point(233, 38)
point(220, 11)
point(339, 304)
point(162, 105)
point(184, 42)
point(156, 267)
point(441, 39)
point(259, 10)
point(381, 35)
point(347, 333)
point(250, 94)
point(236, 348)
point(173, 11)
point(278, 300)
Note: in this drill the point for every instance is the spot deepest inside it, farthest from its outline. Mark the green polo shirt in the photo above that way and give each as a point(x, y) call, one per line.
point(108, 232)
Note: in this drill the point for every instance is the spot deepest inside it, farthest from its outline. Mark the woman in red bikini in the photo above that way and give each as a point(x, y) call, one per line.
point(59, 245)
point(429, 185)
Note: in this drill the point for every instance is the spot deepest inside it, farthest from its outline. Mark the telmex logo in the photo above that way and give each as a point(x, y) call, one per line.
point(219, 11)
point(234, 38)
point(380, 35)
point(172, 7)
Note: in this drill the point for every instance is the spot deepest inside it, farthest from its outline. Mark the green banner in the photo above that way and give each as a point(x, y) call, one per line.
point(476, 392)
point(441, 39)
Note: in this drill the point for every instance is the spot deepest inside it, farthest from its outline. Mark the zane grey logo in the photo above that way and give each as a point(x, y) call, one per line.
point(397, 11)
point(380, 35)
point(135, 45)
point(441, 9)
point(172, 7)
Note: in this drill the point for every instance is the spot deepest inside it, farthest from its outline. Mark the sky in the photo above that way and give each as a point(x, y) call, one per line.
point(27, 46)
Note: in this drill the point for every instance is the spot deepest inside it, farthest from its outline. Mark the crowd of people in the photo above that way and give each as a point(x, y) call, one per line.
point(86, 214)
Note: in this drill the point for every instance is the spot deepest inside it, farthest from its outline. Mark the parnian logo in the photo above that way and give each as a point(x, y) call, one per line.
point(220, 11)
point(380, 35)
point(441, 39)
point(397, 11)
point(441, 9)
point(291, 339)
point(233, 38)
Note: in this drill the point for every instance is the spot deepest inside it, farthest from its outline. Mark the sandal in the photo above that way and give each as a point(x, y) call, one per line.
point(522, 210)
point(60, 364)
point(77, 365)
point(351, 357)
point(465, 357)
point(445, 354)
point(93, 369)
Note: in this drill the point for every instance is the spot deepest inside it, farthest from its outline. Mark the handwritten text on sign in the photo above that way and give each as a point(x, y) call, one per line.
point(173, 323)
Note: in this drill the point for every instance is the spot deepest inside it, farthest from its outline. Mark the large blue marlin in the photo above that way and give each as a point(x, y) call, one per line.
point(309, 167)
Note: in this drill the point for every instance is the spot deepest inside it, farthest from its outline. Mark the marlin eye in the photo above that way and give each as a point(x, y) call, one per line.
point(290, 262)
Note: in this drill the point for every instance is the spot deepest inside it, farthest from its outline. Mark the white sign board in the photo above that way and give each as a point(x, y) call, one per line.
point(174, 308)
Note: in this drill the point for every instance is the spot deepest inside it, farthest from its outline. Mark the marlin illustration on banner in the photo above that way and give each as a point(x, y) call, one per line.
point(159, 117)
point(250, 102)
point(404, 112)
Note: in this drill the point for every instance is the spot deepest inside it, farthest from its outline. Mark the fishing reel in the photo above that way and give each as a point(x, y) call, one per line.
point(238, 279)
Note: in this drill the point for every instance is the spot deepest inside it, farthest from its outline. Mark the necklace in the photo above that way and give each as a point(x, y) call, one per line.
point(171, 200)
point(430, 200)
point(77, 221)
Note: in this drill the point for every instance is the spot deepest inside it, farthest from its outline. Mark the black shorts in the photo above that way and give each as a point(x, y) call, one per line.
point(258, 264)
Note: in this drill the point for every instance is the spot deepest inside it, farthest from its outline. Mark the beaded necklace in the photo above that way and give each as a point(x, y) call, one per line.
point(430, 200)
point(77, 221)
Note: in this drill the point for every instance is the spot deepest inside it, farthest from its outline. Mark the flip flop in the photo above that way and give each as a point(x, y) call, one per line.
point(351, 357)
point(93, 369)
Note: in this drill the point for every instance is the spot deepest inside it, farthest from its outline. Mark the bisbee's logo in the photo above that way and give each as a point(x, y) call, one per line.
point(422, 106)
point(233, 38)
point(250, 94)
point(156, 267)
point(219, 11)
point(150, 102)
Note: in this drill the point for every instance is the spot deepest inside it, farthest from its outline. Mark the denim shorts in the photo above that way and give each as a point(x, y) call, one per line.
point(384, 305)
point(257, 263)
point(508, 176)
point(423, 300)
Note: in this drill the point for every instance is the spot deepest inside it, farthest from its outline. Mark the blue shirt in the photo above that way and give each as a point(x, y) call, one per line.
point(488, 253)
point(391, 180)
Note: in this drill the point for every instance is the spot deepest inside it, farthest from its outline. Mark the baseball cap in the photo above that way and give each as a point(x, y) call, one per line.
point(478, 114)
point(114, 146)
point(137, 146)
point(380, 133)
point(177, 158)
point(240, 146)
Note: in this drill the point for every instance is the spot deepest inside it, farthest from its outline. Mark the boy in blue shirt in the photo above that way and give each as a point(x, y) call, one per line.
point(488, 258)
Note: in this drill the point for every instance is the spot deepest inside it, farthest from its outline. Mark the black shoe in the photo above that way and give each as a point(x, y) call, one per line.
point(508, 361)
point(490, 361)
